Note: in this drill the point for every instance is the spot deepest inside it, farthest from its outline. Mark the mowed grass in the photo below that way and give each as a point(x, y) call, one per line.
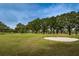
point(29, 44)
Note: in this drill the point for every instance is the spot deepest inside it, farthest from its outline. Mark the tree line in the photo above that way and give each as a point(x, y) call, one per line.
point(67, 23)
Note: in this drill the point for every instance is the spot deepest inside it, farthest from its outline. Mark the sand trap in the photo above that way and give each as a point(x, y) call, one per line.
point(62, 39)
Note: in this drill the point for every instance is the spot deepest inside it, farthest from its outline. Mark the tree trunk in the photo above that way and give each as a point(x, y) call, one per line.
point(61, 31)
point(76, 31)
point(50, 30)
point(53, 31)
point(57, 31)
point(69, 30)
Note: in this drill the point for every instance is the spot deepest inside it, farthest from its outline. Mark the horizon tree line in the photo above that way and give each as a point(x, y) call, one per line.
point(67, 23)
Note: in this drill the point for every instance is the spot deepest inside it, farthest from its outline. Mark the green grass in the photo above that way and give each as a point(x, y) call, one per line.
point(34, 44)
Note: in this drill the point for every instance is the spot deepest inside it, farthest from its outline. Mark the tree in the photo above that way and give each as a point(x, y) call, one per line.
point(51, 24)
point(63, 23)
point(3, 27)
point(20, 28)
point(57, 24)
point(44, 25)
point(35, 25)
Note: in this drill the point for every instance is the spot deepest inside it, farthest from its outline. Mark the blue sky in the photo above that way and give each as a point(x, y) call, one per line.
point(11, 14)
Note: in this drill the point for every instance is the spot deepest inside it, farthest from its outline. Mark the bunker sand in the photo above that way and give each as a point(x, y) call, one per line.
point(62, 39)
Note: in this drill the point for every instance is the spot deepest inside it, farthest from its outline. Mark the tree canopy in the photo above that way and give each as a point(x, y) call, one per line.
point(64, 23)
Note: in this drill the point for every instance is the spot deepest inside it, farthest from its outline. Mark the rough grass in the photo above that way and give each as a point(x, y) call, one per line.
point(34, 45)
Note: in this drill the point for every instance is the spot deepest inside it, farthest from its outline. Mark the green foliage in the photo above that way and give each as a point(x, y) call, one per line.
point(20, 28)
point(4, 28)
point(57, 24)
point(64, 23)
